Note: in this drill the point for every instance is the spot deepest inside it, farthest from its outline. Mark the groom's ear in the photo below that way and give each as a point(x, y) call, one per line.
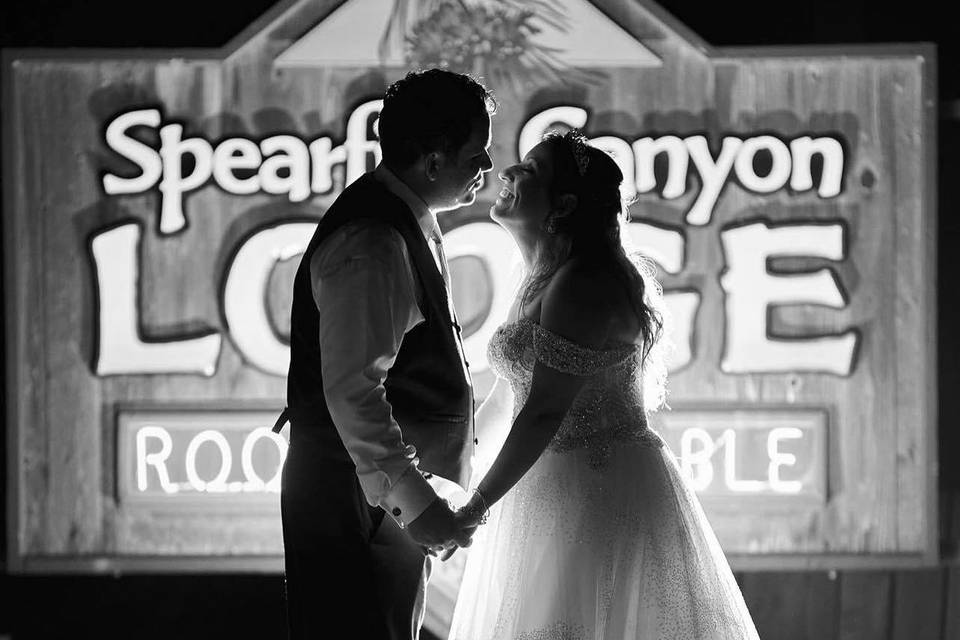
point(432, 162)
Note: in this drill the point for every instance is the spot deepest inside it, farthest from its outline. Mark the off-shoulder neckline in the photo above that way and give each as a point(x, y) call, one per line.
point(618, 346)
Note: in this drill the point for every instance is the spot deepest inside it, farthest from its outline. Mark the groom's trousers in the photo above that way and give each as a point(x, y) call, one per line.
point(351, 572)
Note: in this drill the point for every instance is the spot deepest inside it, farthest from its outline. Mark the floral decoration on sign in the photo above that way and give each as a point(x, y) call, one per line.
point(493, 40)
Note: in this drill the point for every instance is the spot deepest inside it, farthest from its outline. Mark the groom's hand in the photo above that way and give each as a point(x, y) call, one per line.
point(436, 527)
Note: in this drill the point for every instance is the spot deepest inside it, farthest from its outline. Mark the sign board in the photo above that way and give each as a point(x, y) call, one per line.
point(157, 203)
point(745, 455)
point(217, 460)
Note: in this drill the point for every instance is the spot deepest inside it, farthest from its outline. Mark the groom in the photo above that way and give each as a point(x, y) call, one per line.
point(379, 395)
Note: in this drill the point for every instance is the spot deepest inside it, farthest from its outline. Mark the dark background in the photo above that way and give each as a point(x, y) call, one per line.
point(215, 606)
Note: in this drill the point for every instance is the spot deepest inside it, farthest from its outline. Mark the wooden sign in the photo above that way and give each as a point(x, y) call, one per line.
point(157, 203)
point(749, 454)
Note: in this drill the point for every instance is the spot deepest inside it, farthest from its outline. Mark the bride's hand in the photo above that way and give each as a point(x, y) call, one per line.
point(472, 514)
point(465, 520)
point(467, 528)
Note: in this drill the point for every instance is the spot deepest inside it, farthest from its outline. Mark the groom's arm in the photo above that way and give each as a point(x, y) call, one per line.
point(366, 295)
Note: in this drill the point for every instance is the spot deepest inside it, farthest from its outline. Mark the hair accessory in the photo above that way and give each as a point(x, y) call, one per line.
point(578, 145)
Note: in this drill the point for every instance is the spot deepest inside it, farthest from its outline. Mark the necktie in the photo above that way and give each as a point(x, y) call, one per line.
point(445, 272)
point(441, 258)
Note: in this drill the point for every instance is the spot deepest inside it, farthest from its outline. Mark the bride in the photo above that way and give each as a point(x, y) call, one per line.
point(589, 529)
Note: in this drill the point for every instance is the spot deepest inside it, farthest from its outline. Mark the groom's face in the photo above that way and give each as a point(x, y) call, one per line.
point(460, 173)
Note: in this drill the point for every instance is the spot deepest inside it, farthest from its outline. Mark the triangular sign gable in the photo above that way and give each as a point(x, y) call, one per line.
point(351, 36)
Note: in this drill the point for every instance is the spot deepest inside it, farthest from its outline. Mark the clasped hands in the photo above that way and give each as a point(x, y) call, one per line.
point(441, 531)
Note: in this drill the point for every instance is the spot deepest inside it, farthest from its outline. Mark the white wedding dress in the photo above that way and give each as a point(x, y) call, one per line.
point(602, 538)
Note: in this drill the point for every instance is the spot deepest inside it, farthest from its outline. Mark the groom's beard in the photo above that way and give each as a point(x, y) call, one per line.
point(469, 195)
point(466, 196)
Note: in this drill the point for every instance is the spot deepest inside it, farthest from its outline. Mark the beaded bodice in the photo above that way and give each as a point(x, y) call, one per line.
point(609, 407)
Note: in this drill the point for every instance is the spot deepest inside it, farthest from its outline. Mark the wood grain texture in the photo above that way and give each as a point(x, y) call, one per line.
point(918, 604)
point(951, 606)
point(865, 605)
point(880, 417)
point(794, 605)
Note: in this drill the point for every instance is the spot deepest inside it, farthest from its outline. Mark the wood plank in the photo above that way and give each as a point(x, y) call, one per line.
point(918, 604)
point(822, 605)
point(774, 614)
point(787, 605)
point(915, 316)
point(865, 599)
point(862, 514)
point(951, 618)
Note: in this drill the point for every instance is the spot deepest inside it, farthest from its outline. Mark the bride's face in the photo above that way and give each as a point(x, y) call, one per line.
point(525, 198)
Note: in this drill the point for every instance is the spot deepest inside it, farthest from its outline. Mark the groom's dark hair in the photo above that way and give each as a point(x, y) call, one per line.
point(427, 111)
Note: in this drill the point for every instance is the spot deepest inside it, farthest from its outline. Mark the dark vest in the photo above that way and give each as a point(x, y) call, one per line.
point(428, 386)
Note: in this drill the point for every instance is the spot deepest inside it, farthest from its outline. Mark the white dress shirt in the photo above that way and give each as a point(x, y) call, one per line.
point(366, 294)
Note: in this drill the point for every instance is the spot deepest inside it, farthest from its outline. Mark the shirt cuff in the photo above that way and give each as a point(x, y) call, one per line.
point(408, 497)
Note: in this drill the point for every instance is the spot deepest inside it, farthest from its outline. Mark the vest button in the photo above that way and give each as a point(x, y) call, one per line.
point(396, 511)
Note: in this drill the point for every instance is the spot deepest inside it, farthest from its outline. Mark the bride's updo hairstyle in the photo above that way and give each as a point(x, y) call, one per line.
point(593, 230)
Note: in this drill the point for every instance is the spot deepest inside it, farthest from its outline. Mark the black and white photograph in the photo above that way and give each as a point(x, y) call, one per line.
point(480, 320)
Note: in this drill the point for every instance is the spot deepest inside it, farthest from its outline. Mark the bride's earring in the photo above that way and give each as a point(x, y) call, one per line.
point(550, 226)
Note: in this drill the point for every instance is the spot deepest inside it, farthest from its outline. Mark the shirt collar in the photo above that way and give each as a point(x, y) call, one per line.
point(425, 218)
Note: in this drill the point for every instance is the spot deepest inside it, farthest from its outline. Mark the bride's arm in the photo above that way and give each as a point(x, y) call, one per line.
point(492, 424)
point(575, 307)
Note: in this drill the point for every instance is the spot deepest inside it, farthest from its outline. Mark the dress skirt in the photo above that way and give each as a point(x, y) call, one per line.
point(611, 549)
